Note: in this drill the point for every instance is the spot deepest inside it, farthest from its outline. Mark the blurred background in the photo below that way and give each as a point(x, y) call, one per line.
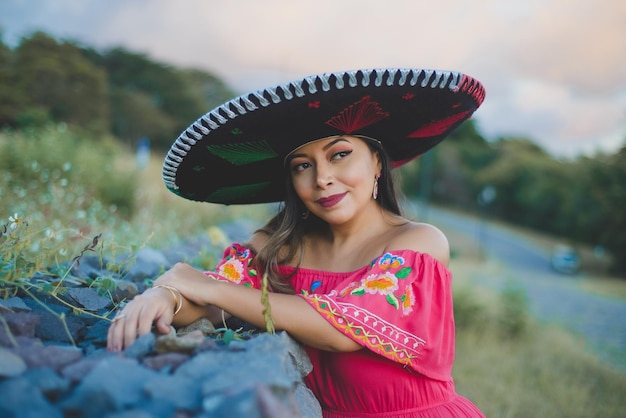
point(530, 191)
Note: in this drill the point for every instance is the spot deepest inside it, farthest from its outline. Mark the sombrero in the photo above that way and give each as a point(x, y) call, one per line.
point(235, 153)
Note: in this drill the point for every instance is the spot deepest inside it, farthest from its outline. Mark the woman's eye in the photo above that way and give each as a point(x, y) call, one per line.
point(300, 167)
point(341, 154)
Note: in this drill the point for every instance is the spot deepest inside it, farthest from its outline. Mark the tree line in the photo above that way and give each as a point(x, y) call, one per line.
point(128, 95)
point(582, 200)
point(115, 91)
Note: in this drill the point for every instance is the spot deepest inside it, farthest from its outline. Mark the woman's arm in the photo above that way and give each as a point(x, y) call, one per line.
point(289, 312)
point(203, 296)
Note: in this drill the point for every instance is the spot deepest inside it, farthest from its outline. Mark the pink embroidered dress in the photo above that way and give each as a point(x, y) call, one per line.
point(399, 308)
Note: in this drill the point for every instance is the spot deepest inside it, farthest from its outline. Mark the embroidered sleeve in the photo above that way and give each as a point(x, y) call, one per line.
point(400, 308)
point(237, 267)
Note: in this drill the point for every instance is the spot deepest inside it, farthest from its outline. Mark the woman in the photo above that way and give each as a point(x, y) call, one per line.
point(366, 290)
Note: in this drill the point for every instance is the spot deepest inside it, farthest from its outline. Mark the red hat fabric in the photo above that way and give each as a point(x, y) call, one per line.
point(235, 153)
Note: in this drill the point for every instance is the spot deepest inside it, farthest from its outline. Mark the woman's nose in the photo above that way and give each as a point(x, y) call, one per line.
point(324, 176)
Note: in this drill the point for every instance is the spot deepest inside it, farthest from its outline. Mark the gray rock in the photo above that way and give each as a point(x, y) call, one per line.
point(21, 323)
point(77, 371)
point(89, 299)
point(142, 346)
point(124, 290)
point(54, 357)
point(114, 384)
point(11, 364)
point(44, 376)
point(53, 328)
point(181, 392)
point(165, 362)
point(148, 264)
point(51, 384)
point(26, 400)
point(172, 343)
point(13, 304)
point(90, 267)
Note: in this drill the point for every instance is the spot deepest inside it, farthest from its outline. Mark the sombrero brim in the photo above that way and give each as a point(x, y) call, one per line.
point(234, 154)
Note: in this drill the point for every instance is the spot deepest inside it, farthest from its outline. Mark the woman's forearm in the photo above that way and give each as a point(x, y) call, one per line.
point(205, 296)
point(289, 312)
point(191, 312)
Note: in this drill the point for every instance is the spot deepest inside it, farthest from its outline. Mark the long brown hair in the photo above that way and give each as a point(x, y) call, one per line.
point(288, 228)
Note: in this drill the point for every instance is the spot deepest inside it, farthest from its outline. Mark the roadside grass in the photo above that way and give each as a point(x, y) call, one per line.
point(594, 276)
point(539, 371)
point(545, 374)
point(508, 364)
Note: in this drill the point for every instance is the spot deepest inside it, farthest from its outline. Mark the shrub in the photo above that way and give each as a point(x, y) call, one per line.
point(513, 316)
point(62, 175)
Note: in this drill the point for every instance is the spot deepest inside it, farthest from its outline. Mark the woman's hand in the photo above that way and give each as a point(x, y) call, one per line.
point(156, 306)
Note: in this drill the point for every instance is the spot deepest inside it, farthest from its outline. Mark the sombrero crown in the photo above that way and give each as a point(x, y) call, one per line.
point(234, 154)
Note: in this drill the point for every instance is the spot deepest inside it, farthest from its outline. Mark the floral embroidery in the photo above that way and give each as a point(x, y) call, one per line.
point(408, 300)
point(389, 261)
point(386, 283)
point(370, 330)
point(232, 270)
point(348, 289)
point(382, 284)
point(237, 262)
point(239, 252)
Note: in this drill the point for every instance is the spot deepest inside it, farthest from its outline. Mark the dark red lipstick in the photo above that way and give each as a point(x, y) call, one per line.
point(330, 201)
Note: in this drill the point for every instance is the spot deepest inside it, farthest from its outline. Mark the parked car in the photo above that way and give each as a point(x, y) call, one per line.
point(565, 259)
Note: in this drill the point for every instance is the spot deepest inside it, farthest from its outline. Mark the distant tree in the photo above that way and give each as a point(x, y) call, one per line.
point(614, 237)
point(11, 101)
point(134, 115)
point(458, 160)
point(598, 204)
point(55, 78)
point(153, 99)
point(529, 184)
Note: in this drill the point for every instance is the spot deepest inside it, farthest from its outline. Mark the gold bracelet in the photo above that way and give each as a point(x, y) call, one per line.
point(176, 293)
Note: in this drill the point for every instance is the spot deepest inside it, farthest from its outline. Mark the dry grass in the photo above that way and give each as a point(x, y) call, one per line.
point(544, 375)
point(545, 372)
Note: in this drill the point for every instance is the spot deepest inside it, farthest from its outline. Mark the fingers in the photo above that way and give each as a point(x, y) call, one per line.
point(137, 318)
point(123, 329)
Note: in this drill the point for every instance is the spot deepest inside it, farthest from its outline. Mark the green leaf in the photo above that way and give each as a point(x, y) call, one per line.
point(358, 292)
point(393, 301)
point(402, 274)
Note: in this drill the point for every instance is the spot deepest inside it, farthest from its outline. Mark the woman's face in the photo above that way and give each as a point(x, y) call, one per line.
point(334, 177)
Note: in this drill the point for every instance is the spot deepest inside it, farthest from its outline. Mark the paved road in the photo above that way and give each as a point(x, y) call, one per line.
point(552, 297)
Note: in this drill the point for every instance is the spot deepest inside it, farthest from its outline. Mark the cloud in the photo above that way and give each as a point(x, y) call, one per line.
point(553, 69)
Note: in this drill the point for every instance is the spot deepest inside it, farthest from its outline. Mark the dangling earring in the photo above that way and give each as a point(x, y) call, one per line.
point(375, 192)
point(305, 214)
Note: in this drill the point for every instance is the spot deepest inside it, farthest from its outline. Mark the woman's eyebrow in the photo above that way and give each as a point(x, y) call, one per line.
point(292, 156)
point(330, 144)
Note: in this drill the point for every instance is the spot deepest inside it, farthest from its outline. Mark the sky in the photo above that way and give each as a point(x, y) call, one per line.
point(554, 70)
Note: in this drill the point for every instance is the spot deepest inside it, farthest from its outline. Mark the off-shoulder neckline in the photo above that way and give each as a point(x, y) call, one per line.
point(392, 252)
point(366, 266)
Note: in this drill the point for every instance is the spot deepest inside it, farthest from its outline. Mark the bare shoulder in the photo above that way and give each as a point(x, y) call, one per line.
point(421, 237)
